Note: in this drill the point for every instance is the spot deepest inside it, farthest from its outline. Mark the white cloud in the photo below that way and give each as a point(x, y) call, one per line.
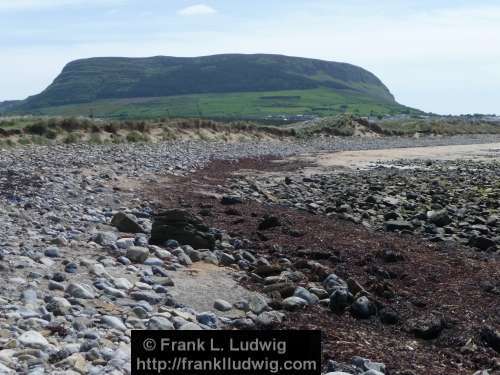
point(29, 5)
point(197, 10)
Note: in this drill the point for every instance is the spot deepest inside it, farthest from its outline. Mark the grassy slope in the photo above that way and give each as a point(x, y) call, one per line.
point(321, 101)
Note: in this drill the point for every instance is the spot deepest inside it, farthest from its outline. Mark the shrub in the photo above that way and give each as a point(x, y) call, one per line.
point(51, 134)
point(24, 141)
point(135, 137)
point(38, 128)
point(71, 138)
point(39, 140)
point(95, 138)
point(111, 128)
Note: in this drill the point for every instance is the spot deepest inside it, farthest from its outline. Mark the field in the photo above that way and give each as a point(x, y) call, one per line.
point(249, 105)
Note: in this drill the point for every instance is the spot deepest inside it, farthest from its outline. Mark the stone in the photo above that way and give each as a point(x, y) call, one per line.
point(319, 292)
point(33, 339)
point(137, 254)
point(71, 267)
point(122, 283)
point(367, 365)
point(193, 254)
point(153, 262)
point(269, 222)
point(242, 305)
point(229, 200)
point(54, 285)
point(257, 303)
point(125, 243)
point(59, 306)
point(52, 252)
point(333, 283)
point(439, 218)
point(306, 295)
point(113, 322)
point(398, 225)
point(294, 303)
point(106, 239)
point(482, 243)
point(126, 223)
point(184, 259)
point(491, 337)
point(29, 297)
point(190, 327)
point(388, 316)
point(98, 270)
point(150, 297)
point(183, 227)
point(269, 319)
point(222, 305)
point(362, 308)
point(140, 312)
point(6, 370)
point(227, 259)
point(340, 300)
point(82, 291)
point(208, 319)
point(427, 328)
point(159, 323)
point(59, 277)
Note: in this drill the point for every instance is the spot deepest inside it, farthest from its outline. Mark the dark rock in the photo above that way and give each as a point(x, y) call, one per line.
point(333, 283)
point(227, 259)
point(265, 270)
point(388, 216)
point(482, 243)
point(362, 308)
point(229, 200)
point(340, 300)
point(285, 289)
point(439, 218)
point(388, 316)
point(205, 212)
point(491, 337)
point(59, 277)
point(394, 225)
point(182, 226)
point(390, 256)
point(427, 329)
point(232, 212)
point(126, 223)
point(71, 267)
point(269, 222)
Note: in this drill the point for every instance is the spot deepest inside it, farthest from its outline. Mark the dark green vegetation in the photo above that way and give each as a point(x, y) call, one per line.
point(49, 130)
point(439, 126)
point(46, 130)
point(220, 86)
point(9, 104)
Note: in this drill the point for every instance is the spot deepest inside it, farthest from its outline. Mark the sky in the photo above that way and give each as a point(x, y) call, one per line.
point(440, 56)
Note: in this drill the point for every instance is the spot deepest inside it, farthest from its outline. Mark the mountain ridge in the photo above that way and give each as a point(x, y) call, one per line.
point(86, 80)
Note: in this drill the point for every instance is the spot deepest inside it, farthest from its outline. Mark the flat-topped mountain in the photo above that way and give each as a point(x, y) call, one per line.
point(283, 84)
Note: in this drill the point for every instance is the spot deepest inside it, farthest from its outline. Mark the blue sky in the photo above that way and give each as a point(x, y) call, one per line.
point(441, 56)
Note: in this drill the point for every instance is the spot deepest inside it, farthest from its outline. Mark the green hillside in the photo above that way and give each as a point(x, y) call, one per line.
point(211, 86)
point(251, 105)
